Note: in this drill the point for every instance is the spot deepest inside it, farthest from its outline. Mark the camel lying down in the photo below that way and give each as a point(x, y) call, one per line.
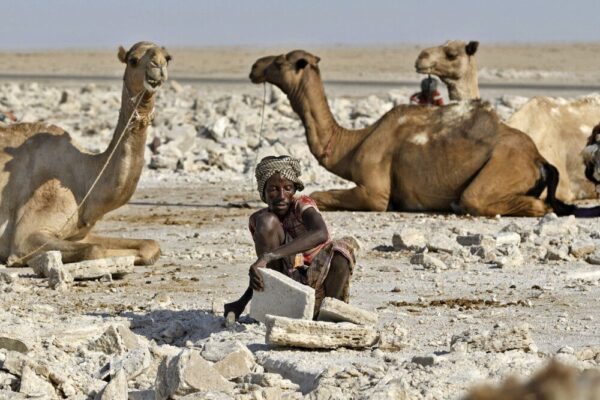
point(458, 158)
point(558, 127)
point(45, 176)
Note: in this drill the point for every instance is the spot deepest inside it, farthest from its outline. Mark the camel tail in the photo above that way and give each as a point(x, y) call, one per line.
point(560, 208)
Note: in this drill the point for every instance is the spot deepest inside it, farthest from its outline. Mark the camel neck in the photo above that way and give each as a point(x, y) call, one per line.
point(121, 176)
point(328, 141)
point(465, 88)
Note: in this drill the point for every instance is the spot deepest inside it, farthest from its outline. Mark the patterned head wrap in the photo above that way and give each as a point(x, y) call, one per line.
point(288, 167)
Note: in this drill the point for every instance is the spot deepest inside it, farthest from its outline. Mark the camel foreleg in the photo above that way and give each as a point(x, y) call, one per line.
point(146, 251)
point(71, 251)
point(359, 198)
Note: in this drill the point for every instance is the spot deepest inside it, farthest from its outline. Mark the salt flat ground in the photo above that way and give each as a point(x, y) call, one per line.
point(199, 216)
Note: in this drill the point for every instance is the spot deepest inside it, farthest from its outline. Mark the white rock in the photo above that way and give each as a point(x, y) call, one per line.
point(283, 331)
point(282, 296)
point(235, 364)
point(427, 261)
point(508, 238)
point(34, 386)
point(409, 239)
point(187, 373)
point(334, 310)
point(116, 389)
point(42, 264)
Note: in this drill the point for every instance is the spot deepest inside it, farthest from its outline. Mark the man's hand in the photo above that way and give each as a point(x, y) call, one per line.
point(256, 281)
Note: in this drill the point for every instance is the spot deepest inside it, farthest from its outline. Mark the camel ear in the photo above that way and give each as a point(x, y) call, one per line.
point(122, 54)
point(471, 48)
point(301, 63)
point(168, 57)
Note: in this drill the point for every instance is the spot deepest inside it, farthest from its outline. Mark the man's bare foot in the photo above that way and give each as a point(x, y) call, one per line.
point(236, 307)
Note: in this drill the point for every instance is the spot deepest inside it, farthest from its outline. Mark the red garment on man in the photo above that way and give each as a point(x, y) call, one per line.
point(419, 99)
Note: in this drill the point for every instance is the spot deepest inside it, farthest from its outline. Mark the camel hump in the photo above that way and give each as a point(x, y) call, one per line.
point(20, 132)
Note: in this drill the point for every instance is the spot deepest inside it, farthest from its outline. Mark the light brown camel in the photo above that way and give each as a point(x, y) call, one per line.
point(559, 128)
point(451, 158)
point(45, 175)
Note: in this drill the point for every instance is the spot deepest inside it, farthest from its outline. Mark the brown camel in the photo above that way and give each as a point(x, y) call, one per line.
point(46, 176)
point(451, 158)
point(559, 128)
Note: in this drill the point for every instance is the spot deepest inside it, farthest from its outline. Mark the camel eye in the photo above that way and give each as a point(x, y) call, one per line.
point(168, 58)
point(133, 61)
point(451, 54)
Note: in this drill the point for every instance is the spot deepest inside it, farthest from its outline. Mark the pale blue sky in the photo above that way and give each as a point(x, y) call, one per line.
point(55, 24)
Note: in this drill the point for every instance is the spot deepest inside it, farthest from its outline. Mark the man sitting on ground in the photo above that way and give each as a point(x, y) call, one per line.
point(290, 236)
point(428, 96)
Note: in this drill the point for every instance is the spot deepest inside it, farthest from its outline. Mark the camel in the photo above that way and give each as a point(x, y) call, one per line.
point(558, 127)
point(451, 158)
point(46, 175)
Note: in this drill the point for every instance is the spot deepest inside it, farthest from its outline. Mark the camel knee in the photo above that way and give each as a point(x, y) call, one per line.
point(473, 206)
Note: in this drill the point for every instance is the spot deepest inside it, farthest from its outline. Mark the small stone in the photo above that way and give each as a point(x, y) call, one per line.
point(8, 277)
point(134, 363)
point(282, 296)
point(236, 364)
point(34, 386)
point(409, 239)
point(425, 361)
point(594, 258)
point(514, 259)
point(508, 239)
point(334, 310)
point(498, 341)
point(12, 344)
point(470, 240)
point(116, 389)
point(115, 340)
point(580, 249)
point(216, 351)
point(187, 373)
point(42, 264)
point(441, 243)
point(427, 261)
point(551, 225)
point(59, 278)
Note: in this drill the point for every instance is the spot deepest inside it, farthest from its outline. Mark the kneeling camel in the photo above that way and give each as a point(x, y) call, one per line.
point(454, 158)
point(558, 127)
point(45, 176)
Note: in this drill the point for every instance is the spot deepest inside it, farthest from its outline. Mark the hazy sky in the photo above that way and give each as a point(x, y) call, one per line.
point(47, 24)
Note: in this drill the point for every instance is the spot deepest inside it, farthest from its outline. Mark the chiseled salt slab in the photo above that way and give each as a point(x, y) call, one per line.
point(310, 334)
point(282, 296)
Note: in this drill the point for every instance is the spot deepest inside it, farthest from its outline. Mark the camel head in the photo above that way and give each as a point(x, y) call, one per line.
point(285, 71)
point(452, 60)
point(146, 66)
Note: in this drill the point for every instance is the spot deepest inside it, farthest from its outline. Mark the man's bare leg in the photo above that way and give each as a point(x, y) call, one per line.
point(268, 236)
point(338, 276)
